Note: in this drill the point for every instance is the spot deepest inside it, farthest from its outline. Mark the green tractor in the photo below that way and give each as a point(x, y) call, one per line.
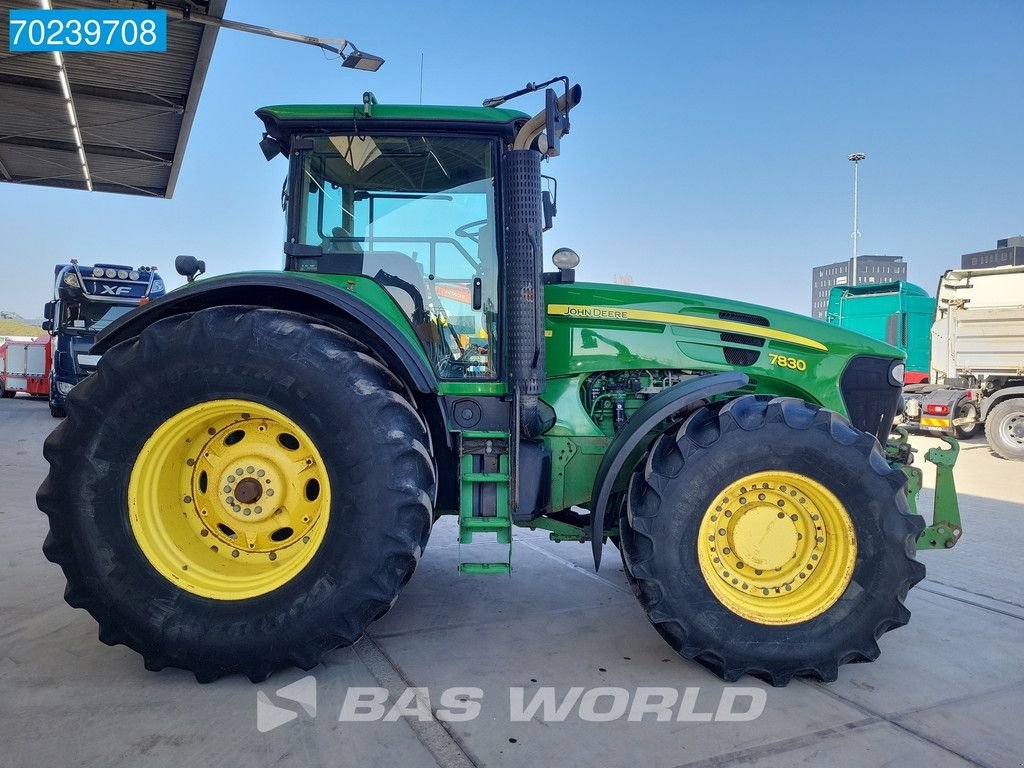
point(248, 479)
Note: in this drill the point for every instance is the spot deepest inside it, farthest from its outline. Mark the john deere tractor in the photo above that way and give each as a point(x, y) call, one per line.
point(250, 476)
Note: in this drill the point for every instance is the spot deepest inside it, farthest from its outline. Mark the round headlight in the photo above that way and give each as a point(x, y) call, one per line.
point(565, 258)
point(71, 279)
point(111, 272)
point(896, 372)
point(123, 274)
point(133, 275)
point(64, 387)
point(97, 272)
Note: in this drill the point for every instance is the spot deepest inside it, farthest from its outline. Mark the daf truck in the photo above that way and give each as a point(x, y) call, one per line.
point(86, 299)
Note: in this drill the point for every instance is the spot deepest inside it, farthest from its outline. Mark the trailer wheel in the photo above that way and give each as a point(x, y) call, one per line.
point(6, 394)
point(770, 538)
point(1004, 428)
point(965, 407)
point(237, 490)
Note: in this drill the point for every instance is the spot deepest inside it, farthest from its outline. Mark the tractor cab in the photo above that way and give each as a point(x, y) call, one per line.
point(413, 198)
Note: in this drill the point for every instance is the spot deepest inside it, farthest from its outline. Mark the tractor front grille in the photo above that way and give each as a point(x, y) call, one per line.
point(871, 399)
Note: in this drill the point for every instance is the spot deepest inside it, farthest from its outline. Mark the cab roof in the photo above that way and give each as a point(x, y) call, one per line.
point(286, 119)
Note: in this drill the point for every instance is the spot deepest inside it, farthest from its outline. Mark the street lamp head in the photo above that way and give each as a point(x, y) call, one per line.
point(857, 157)
point(353, 58)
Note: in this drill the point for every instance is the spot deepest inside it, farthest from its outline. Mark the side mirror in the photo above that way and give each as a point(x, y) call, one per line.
point(549, 210)
point(48, 309)
point(554, 122)
point(48, 326)
point(189, 267)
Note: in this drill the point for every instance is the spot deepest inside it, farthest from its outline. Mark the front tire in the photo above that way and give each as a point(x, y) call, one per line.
point(161, 497)
point(769, 537)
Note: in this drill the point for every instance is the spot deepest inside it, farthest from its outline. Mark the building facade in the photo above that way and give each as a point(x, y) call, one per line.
point(1008, 252)
point(870, 269)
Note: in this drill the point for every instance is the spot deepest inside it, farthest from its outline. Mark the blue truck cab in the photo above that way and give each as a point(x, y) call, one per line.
point(86, 299)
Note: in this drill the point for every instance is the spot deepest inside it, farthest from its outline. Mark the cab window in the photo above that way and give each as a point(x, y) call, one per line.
point(417, 215)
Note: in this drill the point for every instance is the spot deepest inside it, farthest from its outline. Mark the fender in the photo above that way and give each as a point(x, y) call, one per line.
point(1000, 394)
point(653, 412)
point(276, 291)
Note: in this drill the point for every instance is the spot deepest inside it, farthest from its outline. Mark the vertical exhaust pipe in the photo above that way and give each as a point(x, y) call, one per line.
point(524, 297)
point(524, 310)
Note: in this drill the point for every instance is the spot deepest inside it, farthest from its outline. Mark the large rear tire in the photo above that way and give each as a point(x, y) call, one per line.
point(161, 493)
point(769, 537)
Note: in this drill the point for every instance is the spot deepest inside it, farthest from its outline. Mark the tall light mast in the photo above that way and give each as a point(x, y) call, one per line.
point(855, 158)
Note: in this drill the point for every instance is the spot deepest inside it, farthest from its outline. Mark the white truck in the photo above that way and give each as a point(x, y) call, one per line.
point(976, 372)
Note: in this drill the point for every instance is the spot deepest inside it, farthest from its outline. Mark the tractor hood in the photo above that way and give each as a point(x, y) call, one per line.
point(594, 327)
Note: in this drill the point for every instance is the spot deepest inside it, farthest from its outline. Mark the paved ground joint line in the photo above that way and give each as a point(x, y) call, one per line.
point(780, 747)
point(950, 592)
point(578, 569)
point(891, 720)
point(432, 734)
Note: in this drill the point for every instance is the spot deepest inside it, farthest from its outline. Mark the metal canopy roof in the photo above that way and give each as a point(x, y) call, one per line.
point(134, 110)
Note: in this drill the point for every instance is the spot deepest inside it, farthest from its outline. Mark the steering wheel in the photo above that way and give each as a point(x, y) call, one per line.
point(463, 231)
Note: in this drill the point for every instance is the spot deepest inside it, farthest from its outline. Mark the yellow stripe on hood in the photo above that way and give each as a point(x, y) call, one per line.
point(690, 321)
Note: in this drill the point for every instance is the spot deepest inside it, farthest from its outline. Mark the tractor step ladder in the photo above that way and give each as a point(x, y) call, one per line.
point(484, 506)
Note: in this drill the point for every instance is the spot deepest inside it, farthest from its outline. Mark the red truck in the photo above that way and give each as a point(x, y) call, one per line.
point(25, 365)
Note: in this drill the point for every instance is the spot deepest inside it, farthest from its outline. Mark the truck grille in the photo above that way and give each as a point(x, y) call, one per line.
point(871, 400)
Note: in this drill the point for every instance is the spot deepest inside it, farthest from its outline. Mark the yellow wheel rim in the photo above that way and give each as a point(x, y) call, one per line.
point(229, 499)
point(777, 548)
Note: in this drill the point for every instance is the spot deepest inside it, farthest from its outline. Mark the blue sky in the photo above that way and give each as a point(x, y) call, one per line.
point(708, 155)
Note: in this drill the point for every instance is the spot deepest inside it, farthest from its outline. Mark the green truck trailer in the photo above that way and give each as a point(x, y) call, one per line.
point(303, 430)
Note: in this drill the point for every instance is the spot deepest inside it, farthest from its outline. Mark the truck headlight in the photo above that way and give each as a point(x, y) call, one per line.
point(64, 387)
point(133, 275)
point(97, 271)
point(122, 274)
point(896, 373)
point(71, 279)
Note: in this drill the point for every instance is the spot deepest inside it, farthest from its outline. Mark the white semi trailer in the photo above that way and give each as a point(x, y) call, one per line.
point(977, 359)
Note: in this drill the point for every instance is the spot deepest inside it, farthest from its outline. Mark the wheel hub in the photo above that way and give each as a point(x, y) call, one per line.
point(764, 538)
point(248, 490)
point(776, 548)
point(1015, 427)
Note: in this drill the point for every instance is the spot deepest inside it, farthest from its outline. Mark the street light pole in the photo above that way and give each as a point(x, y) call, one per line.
point(855, 158)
